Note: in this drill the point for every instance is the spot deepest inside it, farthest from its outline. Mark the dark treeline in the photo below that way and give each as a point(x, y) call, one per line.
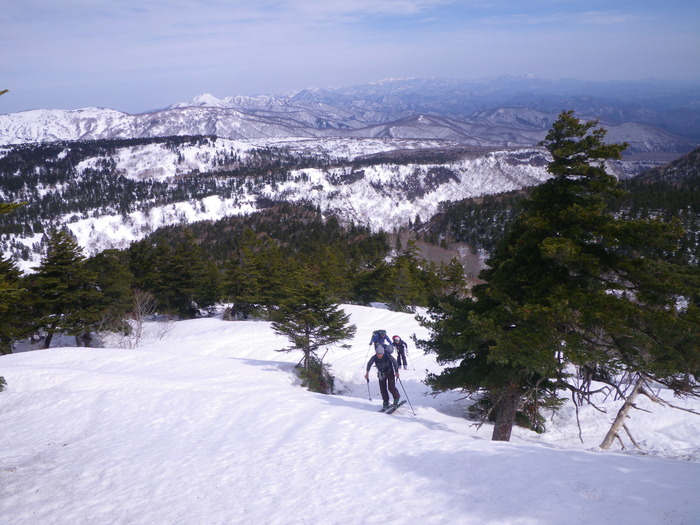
point(478, 222)
point(421, 156)
point(258, 260)
point(255, 264)
point(668, 193)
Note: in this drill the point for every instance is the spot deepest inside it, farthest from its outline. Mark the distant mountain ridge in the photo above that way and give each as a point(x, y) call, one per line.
point(501, 112)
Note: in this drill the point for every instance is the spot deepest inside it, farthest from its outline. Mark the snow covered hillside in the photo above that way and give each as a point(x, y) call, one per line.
point(500, 112)
point(205, 424)
point(381, 183)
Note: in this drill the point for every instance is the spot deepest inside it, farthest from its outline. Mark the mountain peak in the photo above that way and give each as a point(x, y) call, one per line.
point(204, 100)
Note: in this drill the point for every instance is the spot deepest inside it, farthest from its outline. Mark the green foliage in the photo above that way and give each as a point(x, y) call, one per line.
point(409, 281)
point(114, 280)
point(481, 222)
point(311, 321)
point(259, 277)
point(255, 254)
point(65, 298)
point(670, 193)
point(177, 272)
point(7, 207)
point(571, 284)
point(317, 377)
point(404, 283)
point(187, 281)
point(452, 277)
point(14, 321)
point(3, 383)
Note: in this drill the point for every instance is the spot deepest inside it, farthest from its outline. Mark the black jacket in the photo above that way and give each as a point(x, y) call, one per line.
point(384, 365)
point(400, 346)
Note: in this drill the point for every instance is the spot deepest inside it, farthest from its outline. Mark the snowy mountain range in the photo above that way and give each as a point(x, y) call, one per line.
point(502, 112)
point(378, 154)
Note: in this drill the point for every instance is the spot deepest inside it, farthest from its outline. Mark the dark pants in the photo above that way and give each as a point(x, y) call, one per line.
point(401, 354)
point(386, 385)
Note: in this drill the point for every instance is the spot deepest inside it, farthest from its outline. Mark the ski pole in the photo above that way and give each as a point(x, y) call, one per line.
point(368, 392)
point(404, 393)
point(413, 337)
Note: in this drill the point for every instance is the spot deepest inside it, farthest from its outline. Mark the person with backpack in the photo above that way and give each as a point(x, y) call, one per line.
point(387, 373)
point(379, 338)
point(401, 350)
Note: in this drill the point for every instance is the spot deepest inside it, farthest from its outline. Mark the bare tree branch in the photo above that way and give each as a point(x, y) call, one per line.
point(657, 399)
point(629, 434)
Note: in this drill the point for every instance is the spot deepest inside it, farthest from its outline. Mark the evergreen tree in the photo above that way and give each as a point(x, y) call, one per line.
point(571, 284)
point(331, 270)
point(13, 306)
point(405, 288)
point(143, 265)
point(114, 281)
point(187, 281)
point(259, 276)
point(242, 279)
point(372, 285)
point(453, 279)
point(311, 321)
point(13, 298)
point(411, 280)
point(64, 294)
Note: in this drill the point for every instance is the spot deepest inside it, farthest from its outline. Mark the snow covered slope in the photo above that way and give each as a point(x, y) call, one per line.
point(207, 425)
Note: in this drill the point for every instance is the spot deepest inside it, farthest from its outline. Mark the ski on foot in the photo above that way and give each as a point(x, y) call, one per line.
point(392, 408)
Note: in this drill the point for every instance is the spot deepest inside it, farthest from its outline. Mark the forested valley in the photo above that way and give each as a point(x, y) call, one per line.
point(254, 261)
point(668, 193)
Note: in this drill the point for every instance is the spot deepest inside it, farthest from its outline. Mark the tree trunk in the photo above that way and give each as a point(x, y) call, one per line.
point(622, 414)
point(49, 336)
point(5, 345)
point(87, 339)
point(506, 408)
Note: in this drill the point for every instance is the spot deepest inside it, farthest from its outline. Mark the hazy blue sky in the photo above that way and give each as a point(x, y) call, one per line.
point(135, 55)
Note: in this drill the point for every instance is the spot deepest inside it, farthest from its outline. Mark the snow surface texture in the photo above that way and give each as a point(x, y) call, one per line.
point(206, 424)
